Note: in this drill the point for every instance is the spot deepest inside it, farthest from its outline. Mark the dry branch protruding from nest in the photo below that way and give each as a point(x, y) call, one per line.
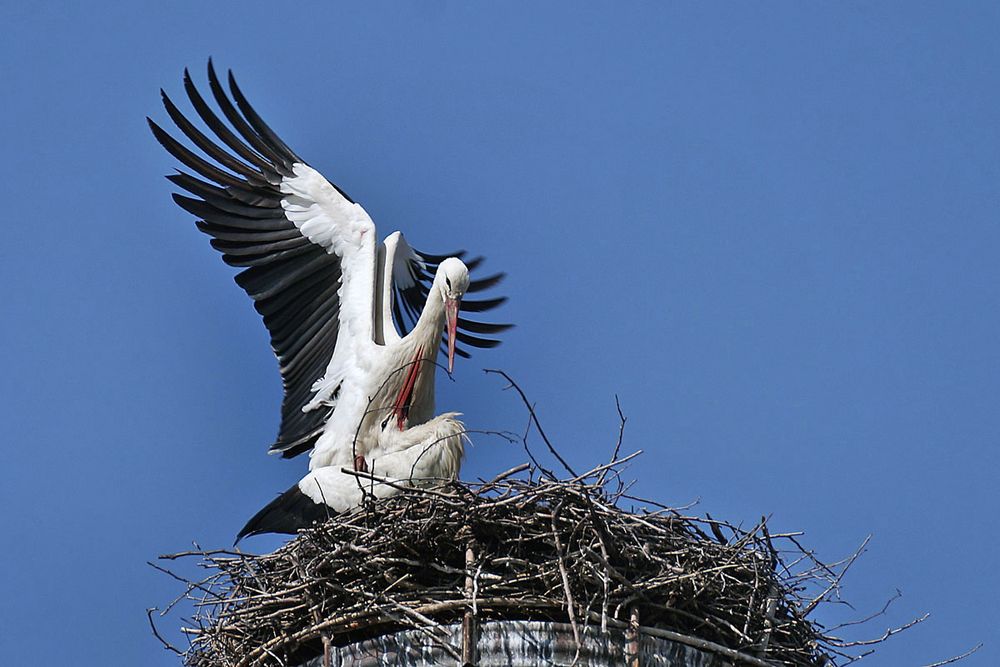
point(542, 549)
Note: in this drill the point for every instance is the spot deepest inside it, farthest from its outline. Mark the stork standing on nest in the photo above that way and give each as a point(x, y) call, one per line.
point(355, 324)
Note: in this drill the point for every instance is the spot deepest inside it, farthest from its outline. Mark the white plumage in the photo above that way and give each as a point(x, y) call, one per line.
point(424, 455)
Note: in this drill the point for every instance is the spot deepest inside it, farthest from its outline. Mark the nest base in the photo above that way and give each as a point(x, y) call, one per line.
point(518, 644)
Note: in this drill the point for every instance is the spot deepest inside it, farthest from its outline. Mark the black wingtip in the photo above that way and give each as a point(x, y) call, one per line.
point(286, 514)
point(486, 283)
point(188, 81)
point(211, 70)
point(158, 132)
point(478, 306)
point(437, 259)
point(291, 451)
point(472, 326)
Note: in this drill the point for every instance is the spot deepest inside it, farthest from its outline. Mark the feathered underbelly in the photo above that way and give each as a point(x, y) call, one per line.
point(395, 394)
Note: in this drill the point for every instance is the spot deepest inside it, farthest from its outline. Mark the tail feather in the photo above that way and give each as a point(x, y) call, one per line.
point(286, 514)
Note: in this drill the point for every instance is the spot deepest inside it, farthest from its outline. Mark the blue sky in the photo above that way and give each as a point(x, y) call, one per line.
point(771, 230)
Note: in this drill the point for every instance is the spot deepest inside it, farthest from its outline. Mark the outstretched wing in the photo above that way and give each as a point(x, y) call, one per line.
point(412, 276)
point(294, 234)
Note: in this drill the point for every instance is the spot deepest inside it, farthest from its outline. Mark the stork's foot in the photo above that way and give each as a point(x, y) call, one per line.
point(359, 464)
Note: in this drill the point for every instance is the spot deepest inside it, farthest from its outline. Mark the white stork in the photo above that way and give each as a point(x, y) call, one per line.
point(422, 455)
point(355, 324)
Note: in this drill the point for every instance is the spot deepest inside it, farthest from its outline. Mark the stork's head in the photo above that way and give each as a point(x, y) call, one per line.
point(452, 280)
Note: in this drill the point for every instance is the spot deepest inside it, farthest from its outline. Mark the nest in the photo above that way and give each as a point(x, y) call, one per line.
point(522, 546)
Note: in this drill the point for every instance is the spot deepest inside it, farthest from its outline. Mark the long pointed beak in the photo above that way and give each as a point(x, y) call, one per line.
point(451, 316)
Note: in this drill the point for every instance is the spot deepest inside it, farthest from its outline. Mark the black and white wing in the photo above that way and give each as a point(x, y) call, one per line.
point(412, 276)
point(291, 231)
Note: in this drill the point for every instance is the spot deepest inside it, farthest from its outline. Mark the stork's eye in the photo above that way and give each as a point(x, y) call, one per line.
point(447, 281)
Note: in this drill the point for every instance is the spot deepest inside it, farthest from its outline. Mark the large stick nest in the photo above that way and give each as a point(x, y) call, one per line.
point(522, 546)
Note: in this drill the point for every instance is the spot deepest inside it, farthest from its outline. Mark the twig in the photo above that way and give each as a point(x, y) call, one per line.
point(888, 633)
point(618, 443)
point(167, 645)
point(534, 418)
point(570, 605)
point(957, 657)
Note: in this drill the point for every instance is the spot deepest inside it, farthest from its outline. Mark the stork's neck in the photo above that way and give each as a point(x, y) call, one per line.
point(431, 320)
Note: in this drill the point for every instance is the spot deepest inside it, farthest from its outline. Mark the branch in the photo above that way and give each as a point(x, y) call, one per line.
point(167, 645)
point(534, 417)
point(957, 657)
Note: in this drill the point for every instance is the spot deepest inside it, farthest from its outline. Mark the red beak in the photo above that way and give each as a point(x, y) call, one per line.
point(451, 315)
